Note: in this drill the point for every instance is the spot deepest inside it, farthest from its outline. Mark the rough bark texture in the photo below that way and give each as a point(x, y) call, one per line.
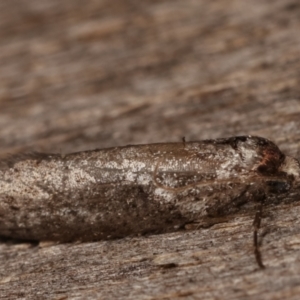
point(77, 76)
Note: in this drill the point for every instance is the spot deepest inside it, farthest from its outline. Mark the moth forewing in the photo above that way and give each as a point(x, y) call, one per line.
point(135, 189)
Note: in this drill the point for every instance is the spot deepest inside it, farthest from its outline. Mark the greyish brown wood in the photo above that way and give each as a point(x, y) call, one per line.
point(109, 73)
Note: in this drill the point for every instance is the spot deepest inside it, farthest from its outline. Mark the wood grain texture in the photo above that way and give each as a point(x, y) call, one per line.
point(110, 73)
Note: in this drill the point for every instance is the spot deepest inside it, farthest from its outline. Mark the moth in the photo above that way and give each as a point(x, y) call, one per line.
point(138, 189)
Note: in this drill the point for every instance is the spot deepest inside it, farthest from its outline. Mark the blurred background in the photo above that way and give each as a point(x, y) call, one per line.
point(80, 75)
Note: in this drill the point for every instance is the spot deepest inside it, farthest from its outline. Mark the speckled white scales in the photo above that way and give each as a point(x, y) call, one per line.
point(137, 189)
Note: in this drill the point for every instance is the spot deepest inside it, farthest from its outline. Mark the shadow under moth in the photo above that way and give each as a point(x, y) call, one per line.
point(137, 189)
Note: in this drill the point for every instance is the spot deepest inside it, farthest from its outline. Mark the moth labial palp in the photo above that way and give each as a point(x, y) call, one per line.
point(137, 189)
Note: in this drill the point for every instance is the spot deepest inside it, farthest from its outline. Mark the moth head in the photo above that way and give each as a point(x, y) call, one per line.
point(291, 167)
point(289, 170)
point(266, 158)
point(260, 154)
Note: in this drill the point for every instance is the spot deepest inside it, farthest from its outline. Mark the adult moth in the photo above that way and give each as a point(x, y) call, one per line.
point(137, 189)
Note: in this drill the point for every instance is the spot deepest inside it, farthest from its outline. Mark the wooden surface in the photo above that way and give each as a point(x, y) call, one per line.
point(80, 76)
